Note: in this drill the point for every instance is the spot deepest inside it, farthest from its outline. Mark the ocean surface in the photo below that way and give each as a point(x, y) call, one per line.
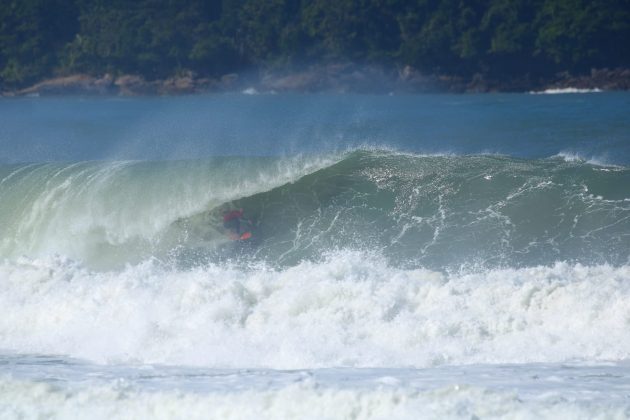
point(420, 256)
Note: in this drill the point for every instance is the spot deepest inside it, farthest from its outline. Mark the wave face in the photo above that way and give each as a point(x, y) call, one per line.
point(436, 212)
point(107, 214)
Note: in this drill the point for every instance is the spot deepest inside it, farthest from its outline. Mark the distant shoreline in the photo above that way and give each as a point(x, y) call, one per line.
point(333, 78)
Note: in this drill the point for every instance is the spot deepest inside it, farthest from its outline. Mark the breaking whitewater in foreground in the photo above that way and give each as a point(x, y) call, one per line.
point(376, 284)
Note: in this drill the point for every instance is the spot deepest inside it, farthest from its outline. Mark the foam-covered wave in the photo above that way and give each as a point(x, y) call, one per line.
point(352, 309)
point(417, 211)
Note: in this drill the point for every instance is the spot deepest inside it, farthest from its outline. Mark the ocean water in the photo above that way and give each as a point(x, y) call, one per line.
point(421, 256)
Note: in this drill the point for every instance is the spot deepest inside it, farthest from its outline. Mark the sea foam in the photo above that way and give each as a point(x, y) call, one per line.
point(559, 91)
point(350, 309)
point(305, 399)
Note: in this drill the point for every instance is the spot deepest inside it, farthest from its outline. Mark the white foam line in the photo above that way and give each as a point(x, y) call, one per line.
point(561, 91)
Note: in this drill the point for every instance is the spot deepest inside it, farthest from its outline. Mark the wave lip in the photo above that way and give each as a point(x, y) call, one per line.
point(112, 213)
point(577, 157)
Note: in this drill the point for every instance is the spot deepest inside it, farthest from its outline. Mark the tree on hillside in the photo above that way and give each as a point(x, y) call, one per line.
point(32, 34)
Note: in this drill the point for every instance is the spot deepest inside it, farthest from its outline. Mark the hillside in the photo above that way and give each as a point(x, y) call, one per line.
point(169, 46)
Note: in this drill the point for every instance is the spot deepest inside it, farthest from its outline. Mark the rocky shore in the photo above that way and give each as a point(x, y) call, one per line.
point(340, 78)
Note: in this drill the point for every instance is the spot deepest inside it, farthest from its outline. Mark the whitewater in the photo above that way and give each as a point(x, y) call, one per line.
point(432, 256)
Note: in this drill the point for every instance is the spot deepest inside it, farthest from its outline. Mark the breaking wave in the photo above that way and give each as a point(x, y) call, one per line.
point(417, 211)
point(364, 259)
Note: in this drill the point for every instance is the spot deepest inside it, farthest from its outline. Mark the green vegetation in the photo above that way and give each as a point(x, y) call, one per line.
point(160, 38)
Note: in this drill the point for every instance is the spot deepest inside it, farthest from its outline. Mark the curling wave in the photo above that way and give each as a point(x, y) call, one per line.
point(417, 211)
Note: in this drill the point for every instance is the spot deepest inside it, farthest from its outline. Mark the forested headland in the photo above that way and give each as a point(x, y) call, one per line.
point(484, 44)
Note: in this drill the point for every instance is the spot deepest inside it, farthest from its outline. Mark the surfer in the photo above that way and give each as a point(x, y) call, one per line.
point(236, 225)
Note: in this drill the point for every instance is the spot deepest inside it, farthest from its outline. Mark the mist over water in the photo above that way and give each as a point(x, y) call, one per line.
point(420, 234)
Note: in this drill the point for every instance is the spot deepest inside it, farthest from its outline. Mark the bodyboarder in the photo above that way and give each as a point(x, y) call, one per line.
point(236, 225)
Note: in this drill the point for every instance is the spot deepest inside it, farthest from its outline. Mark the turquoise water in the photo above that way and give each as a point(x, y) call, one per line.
point(434, 256)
